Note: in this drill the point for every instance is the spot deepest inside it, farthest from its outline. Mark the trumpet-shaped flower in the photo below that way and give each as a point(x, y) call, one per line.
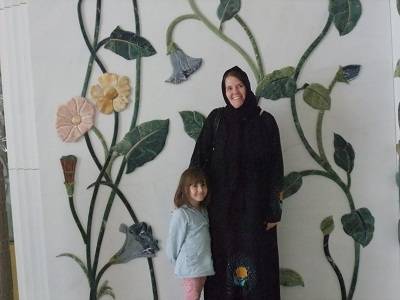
point(112, 92)
point(74, 119)
point(68, 164)
point(139, 242)
point(182, 64)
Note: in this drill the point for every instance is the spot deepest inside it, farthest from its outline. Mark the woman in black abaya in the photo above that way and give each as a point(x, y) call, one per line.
point(239, 148)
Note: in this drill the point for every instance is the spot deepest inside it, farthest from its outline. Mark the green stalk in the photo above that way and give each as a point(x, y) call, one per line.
point(320, 145)
point(133, 124)
point(101, 139)
point(174, 23)
point(76, 218)
point(138, 70)
point(334, 267)
point(225, 38)
point(253, 44)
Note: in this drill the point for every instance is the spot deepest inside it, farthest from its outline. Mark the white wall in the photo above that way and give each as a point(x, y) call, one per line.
point(362, 112)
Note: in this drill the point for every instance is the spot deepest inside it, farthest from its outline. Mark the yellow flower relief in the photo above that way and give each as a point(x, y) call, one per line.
point(112, 92)
point(241, 272)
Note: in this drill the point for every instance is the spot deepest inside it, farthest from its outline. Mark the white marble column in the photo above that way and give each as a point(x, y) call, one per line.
point(22, 150)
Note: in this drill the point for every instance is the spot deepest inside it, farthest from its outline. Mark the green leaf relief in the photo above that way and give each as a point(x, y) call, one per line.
point(346, 14)
point(227, 9)
point(193, 123)
point(143, 143)
point(291, 184)
point(129, 45)
point(77, 260)
point(347, 73)
point(327, 225)
point(398, 6)
point(344, 153)
point(290, 278)
point(105, 290)
point(317, 96)
point(397, 70)
point(359, 224)
point(278, 84)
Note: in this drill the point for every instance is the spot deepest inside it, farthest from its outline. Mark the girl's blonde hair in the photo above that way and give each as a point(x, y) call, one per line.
point(190, 176)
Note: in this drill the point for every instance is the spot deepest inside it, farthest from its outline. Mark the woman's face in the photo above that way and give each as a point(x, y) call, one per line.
point(235, 91)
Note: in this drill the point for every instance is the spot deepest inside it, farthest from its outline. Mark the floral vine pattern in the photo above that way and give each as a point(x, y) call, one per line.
point(284, 83)
point(141, 144)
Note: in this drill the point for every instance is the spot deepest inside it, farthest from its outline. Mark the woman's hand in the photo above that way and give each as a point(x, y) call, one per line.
point(269, 226)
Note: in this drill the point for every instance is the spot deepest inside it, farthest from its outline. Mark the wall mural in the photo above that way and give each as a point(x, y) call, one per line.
point(141, 144)
point(144, 142)
point(284, 83)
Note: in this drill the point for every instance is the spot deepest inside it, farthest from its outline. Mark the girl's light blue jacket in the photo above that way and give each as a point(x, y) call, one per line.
point(188, 244)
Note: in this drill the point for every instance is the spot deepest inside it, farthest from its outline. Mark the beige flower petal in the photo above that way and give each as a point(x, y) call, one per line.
point(96, 92)
point(63, 121)
point(73, 135)
point(72, 106)
point(63, 111)
point(120, 103)
point(108, 80)
point(87, 110)
point(105, 105)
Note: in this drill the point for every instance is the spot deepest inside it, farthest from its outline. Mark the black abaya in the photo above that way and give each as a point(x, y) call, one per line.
point(244, 164)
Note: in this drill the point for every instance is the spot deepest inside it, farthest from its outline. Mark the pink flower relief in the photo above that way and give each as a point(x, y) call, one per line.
point(74, 119)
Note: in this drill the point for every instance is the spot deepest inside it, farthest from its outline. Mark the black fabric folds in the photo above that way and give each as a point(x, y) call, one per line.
point(243, 160)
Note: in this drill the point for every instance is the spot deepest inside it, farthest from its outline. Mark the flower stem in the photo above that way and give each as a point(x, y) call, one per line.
point(225, 38)
point(320, 145)
point(101, 139)
point(76, 218)
point(334, 266)
point(85, 36)
point(138, 70)
point(355, 270)
point(312, 47)
point(253, 44)
point(174, 23)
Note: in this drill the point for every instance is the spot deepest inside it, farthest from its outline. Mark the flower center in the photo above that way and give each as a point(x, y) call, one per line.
point(241, 272)
point(111, 93)
point(76, 120)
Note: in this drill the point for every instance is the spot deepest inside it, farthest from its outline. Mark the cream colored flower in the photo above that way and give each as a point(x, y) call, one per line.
point(74, 119)
point(111, 94)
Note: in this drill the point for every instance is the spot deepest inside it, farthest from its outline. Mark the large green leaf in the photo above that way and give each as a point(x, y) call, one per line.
point(344, 153)
point(317, 96)
point(143, 143)
point(398, 6)
point(291, 184)
point(193, 122)
point(227, 9)
point(346, 14)
point(327, 225)
point(105, 290)
point(278, 84)
point(359, 224)
point(288, 277)
point(129, 45)
point(77, 260)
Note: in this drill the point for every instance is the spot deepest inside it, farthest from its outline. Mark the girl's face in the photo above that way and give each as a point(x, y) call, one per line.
point(197, 192)
point(235, 91)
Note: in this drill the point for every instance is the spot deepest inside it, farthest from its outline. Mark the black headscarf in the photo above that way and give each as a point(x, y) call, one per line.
point(234, 122)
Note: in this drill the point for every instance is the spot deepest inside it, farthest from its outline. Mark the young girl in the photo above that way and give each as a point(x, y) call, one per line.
point(188, 245)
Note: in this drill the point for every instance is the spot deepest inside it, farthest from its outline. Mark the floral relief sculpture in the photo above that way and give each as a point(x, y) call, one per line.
point(112, 92)
point(74, 119)
point(141, 144)
point(286, 83)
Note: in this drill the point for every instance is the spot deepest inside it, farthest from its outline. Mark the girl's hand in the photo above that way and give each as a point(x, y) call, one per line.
point(269, 226)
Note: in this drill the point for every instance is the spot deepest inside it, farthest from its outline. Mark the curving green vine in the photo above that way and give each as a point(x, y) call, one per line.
point(141, 144)
point(358, 223)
